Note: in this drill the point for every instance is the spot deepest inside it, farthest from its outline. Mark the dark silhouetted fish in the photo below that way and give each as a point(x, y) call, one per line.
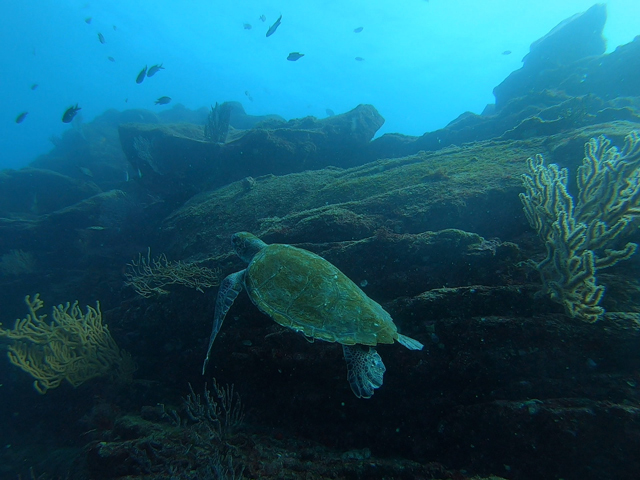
point(247, 26)
point(20, 118)
point(262, 18)
point(330, 112)
point(115, 28)
point(359, 59)
point(111, 59)
point(293, 56)
point(507, 52)
point(87, 20)
point(274, 27)
point(163, 100)
point(101, 38)
point(358, 30)
point(154, 69)
point(34, 86)
point(141, 75)
point(70, 113)
point(246, 92)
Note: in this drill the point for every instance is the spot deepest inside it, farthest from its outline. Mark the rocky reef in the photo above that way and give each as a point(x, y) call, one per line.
point(431, 227)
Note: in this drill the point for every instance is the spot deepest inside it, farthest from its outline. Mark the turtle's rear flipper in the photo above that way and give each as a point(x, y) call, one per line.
point(364, 369)
point(229, 290)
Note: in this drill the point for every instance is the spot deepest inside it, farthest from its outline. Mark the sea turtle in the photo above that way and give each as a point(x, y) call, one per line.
point(304, 292)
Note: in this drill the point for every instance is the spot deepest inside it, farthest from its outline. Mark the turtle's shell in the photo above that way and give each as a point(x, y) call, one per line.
point(306, 293)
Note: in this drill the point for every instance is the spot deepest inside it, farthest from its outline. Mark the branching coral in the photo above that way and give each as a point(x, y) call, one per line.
point(581, 236)
point(148, 277)
point(222, 417)
point(217, 127)
point(74, 346)
point(17, 262)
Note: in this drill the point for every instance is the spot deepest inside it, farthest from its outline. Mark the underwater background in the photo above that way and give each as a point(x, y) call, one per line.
point(472, 168)
point(422, 62)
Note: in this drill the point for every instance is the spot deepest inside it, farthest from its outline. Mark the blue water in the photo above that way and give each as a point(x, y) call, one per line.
point(424, 62)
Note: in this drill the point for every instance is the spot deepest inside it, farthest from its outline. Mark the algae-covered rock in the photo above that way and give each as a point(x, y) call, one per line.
point(169, 160)
point(176, 161)
point(459, 188)
point(381, 213)
point(32, 192)
point(73, 249)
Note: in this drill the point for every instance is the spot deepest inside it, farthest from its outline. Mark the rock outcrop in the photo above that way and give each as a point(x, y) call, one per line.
point(176, 161)
point(554, 55)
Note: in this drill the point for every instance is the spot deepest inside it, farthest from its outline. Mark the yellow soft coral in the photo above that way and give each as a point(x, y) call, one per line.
point(586, 235)
point(74, 346)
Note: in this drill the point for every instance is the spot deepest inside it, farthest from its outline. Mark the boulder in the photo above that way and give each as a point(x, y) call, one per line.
point(34, 191)
point(176, 161)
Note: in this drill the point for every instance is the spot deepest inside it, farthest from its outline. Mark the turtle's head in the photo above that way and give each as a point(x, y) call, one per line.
point(246, 245)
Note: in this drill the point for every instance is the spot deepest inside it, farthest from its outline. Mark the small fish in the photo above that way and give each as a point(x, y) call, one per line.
point(87, 20)
point(506, 52)
point(70, 113)
point(247, 26)
point(86, 171)
point(111, 59)
point(101, 38)
point(358, 30)
point(141, 75)
point(330, 112)
point(293, 56)
point(359, 59)
point(274, 27)
point(115, 28)
point(34, 86)
point(154, 69)
point(163, 100)
point(246, 92)
point(20, 118)
point(262, 18)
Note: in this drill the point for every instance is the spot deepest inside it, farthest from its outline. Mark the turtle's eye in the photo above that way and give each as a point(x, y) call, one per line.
point(237, 243)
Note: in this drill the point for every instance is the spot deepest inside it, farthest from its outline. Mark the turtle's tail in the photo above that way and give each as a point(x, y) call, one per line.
point(409, 342)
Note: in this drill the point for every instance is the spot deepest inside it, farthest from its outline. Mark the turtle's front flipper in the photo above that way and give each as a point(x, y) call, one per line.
point(364, 369)
point(229, 290)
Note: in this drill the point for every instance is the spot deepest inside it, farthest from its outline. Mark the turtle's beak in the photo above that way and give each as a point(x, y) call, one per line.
point(239, 245)
point(246, 245)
